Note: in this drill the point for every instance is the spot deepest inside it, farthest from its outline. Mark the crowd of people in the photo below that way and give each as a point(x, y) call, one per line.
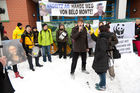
point(83, 40)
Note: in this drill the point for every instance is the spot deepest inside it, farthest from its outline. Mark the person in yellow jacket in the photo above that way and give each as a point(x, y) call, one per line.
point(17, 35)
point(90, 41)
point(28, 44)
point(45, 40)
point(18, 31)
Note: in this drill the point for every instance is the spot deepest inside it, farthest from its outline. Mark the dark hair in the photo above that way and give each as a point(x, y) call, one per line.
point(99, 4)
point(19, 24)
point(34, 28)
point(27, 26)
point(103, 28)
point(44, 25)
point(61, 25)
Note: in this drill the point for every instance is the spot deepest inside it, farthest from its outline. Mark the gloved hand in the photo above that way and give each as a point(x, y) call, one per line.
point(40, 46)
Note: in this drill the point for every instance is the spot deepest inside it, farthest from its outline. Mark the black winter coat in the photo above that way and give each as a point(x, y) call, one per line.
point(103, 44)
point(5, 84)
point(35, 33)
point(80, 43)
point(137, 32)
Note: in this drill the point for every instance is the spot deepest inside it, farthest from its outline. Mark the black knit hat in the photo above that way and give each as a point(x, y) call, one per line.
point(19, 24)
point(44, 25)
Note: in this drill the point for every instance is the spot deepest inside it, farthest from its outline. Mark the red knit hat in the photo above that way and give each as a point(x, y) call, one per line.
point(5, 32)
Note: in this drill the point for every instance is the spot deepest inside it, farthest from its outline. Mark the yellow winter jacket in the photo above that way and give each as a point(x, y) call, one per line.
point(29, 40)
point(17, 33)
point(91, 31)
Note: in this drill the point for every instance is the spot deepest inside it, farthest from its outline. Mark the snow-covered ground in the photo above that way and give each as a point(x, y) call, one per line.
point(55, 77)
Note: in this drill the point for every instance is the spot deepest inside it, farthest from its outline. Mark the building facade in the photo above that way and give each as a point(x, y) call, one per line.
point(27, 12)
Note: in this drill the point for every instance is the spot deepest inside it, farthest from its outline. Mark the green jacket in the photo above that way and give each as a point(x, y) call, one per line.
point(45, 38)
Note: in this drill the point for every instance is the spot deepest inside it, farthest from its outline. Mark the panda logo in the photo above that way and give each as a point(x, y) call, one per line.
point(119, 30)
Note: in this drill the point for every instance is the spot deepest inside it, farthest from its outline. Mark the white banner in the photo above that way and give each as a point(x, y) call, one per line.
point(125, 33)
point(123, 30)
point(78, 9)
point(125, 46)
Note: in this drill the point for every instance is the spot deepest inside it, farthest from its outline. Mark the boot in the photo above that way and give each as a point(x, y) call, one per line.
point(17, 75)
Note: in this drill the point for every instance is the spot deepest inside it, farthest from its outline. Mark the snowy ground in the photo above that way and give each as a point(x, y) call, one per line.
point(55, 77)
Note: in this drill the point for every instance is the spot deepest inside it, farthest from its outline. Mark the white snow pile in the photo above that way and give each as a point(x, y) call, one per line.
point(55, 77)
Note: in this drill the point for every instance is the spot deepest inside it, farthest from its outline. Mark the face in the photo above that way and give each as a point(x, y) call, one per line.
point(101, 24)
point(45, 27)
point(75, 25)
point(80, 23)
point(28, 29)
point(100, 8)
point(35, 29)
point(20, 27)
point(87, 24)
point(62, 27)
point(12, 50)
point(43, 7)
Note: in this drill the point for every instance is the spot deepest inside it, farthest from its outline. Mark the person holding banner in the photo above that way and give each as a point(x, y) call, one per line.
point(17, 35)
point(5, 84)
point(62, 39)
point(137, 36)
point(80, 46)
point(90, 41)
point(35, 33)
point(45, 40)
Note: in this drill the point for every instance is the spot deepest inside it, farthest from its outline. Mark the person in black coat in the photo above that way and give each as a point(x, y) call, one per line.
point(36, 33)
point(62, 39)
point(80, 46)
point(5, 84)
point(104, 44)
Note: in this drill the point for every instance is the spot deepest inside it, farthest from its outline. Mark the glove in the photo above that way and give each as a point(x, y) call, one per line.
point(40, 46)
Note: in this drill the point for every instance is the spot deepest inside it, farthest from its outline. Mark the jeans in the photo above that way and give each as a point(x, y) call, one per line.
point(46, 49)
point(102, 79)
point(75, 58)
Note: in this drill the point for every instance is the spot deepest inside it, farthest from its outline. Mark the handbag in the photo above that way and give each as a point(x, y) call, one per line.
point(116, 53)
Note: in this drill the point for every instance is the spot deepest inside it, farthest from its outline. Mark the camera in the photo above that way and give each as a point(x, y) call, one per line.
point(2, 10)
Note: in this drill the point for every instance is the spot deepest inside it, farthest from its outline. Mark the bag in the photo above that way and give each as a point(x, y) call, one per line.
point(35, 52)
point(116, 53)
point(62, 36)
point(111, 66)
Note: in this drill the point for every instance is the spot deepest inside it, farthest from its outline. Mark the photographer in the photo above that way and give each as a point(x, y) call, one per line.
point(5, 84)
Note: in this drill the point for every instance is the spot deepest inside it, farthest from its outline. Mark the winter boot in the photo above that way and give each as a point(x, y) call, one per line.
point(17, 75)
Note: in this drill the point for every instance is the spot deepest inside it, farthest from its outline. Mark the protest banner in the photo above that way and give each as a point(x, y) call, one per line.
point(125, 33)
point(76, 9)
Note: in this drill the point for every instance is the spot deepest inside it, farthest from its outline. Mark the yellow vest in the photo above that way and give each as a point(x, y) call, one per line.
point(96, 32)
point(91, 30)
point(17, 33)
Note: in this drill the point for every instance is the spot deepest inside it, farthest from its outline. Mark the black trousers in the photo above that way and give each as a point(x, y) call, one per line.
point(37, 61)
point(75, 58)
point(29, 57)
point(15, 68)
point(90, 51)
point(60, 46)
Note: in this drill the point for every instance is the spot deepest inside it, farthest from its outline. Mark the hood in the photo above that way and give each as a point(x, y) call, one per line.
point(17, 28)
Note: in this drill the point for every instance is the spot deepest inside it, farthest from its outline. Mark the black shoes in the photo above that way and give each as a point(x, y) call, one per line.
point(39, 65)
point(33, 69)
